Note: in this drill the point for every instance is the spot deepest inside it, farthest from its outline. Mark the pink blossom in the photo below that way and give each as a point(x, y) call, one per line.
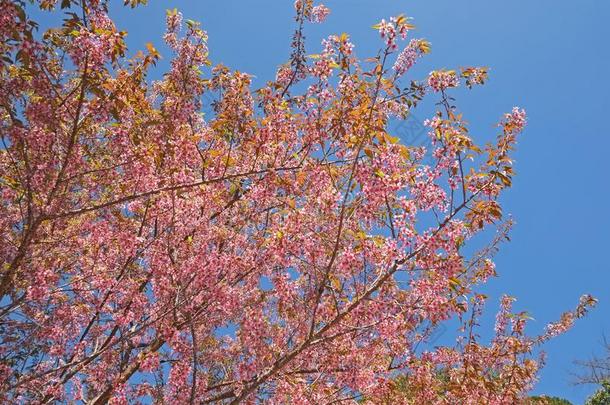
point(407, 58)
point(516, 120)
point(389, 30)
point(286, 246)
point(474, 76)
point(440, 80)
point(319, 13)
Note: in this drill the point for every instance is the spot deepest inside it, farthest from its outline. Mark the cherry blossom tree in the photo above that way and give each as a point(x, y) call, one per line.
point(284, 248)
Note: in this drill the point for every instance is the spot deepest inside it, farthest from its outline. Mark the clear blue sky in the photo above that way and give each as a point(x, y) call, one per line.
point(549, 56)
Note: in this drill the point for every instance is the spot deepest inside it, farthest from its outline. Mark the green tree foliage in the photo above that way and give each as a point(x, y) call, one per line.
point(545, 400)
point(601, 396)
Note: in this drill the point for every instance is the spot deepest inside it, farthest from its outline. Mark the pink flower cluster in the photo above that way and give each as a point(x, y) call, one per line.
point(474, 76)
point(319, 13)
point(173, 23)
point(335, 48)
point(553, 329)
point(390, 30)
point(8, 18)
point(440, 80)
point(283, 75)
point(515, 121)
point(557, 328)
point(503, 315)
point(408, 56)
point(95, 45)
